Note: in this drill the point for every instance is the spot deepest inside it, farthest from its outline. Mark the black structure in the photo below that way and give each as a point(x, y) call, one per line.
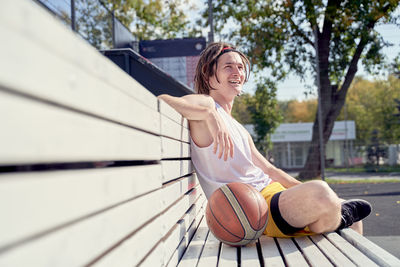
point(146, 73)
point(172, 47)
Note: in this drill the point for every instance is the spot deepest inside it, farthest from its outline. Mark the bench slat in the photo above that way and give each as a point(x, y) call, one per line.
point(172, 114)
point(180, 250)
point(249, 256)
point(136, 247)
point(49, 199)
point(165, 249)
point(270, 252)
point(292, 255)
point(350, 251)
point(193, 252)
point(228, 256)
point(172, 129)
point(374, 252)
point(69, 246)
point(313, 255)
point(173, 169)
point(331, 251)
point(174, 149)
point(77, 137)
point(64, 69)
point(210, 253)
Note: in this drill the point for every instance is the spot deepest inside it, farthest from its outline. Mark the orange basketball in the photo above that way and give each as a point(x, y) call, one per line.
point(237, 214)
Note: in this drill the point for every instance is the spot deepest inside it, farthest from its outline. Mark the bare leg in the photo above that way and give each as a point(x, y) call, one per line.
point(313, 204)
point(358, 227)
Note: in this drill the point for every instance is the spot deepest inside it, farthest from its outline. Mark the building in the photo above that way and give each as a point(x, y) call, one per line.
point(292, 140)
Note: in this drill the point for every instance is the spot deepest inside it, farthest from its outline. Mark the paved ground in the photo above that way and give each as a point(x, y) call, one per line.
point(383, 225)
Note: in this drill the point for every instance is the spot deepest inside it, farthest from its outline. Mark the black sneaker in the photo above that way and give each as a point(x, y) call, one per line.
point(354, 210)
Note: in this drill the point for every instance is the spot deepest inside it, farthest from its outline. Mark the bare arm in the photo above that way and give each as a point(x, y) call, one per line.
point(276, 174)
point(206, 126)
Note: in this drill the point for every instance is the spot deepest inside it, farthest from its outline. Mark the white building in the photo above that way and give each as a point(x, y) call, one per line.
point(291, 142)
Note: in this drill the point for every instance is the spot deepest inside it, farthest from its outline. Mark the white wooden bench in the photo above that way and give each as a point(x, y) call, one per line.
point(95, 171)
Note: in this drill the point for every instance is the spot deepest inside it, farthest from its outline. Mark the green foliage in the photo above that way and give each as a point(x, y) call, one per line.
point(241, 110)
point(279, 34)
point(154, 19)
point(372, 105)
point(262, 111)
point(265, 114)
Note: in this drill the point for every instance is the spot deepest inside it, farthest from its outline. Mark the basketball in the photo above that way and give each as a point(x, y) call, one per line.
point(237, 214)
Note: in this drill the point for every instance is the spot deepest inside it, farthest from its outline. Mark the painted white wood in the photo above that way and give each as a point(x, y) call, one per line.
point(46, 200)
point(374, 252)
point(178, 253)
point(133, 250)
point(173, 169)
point(83, 241)
point(311, 252)
point(59, 135)
point(292, 255)
point(65, 72)
point(228, 256)
point(192, 253)
point(173, 129)
point(162, 253)
point(171, 113)
point(350, 251)
point(209, 255)
point(249, 256)
point(174, 149)
point(270, 252)
point(331, 251)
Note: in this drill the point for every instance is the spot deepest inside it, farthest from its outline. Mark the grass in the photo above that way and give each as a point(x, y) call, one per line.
point(366, 168)
point(361, 181)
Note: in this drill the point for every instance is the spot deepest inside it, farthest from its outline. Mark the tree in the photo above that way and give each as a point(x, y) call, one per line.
point(264, 114)
point(300, 111)
point(372, 105)
point(280, 35)
point(241, 111)
point(154, 19)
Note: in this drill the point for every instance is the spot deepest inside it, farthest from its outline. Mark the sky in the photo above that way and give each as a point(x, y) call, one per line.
point(292, 88)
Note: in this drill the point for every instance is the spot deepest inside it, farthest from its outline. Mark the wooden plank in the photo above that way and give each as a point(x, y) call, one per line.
point(77, 137)
point(193, 252)
point(350, 251)
point(178, 253)
point(78, 242)
point(249, 256)
point(174, 149)
point(50, 199)
point(170, 113)
point(270, 252)
point(311, 252)
point(133, 250)
point(334, 255)
point(172, 129)
point(172, 169)
point(49, 75)
point(210, 253)
point(373, 251)
point(162, 253)
point(292, 255)
point(228, 256)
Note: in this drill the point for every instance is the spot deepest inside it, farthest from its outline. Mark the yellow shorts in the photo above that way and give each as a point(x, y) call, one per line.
point(272, 229)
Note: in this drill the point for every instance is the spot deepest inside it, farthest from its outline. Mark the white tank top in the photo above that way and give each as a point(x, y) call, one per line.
point(214, 172)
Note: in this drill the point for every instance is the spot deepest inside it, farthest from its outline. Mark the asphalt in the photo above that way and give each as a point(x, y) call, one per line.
point(382, 226)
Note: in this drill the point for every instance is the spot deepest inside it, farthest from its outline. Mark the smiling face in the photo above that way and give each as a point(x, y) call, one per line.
point(229, 76)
